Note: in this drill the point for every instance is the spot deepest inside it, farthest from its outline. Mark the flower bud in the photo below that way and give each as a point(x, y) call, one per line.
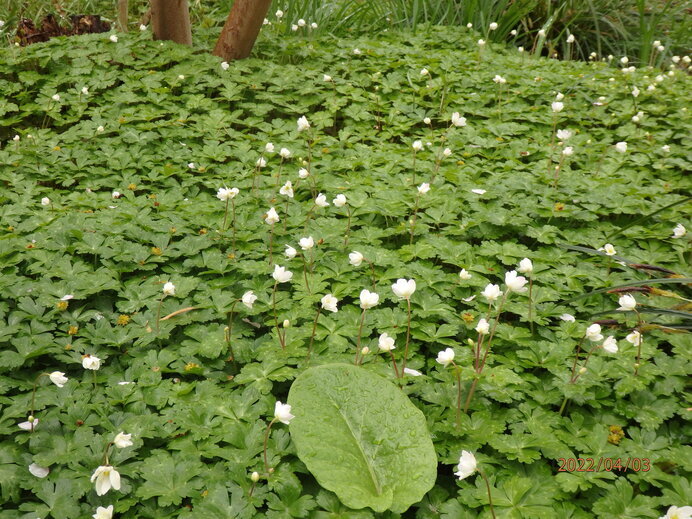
point(286, 323)
point(365, 350)
point(254, 477)
point(582, 370)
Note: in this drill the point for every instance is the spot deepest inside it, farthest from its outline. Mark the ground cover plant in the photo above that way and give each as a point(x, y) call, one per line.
point(203, 262)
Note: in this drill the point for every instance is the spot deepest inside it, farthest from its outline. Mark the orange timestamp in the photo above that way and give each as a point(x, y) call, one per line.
point(603, 464)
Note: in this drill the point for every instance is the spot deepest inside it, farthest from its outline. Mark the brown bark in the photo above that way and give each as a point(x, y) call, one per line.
point(241, 29)
point(122, 15)
point(171, 21)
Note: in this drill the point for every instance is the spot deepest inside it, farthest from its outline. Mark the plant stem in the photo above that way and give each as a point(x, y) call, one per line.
point(414, 167)
point(408, 335)
point(305, 273)
point(233, 224)
point(278, 175)
point(271, 245)
point(639, 343)
point(266, 439)
point(230, 331)
point(457, 372)
point(276, 319)
point(576, 357)
point(314, 328)
point(413, 218)
point(225, 216)
point(348, 226)
point(531, 303)
point(552, 143)
point(490, 497)
point(396, 371)
point(158, 313)
point(372, 270)
point(360, 332)
point(104, 459)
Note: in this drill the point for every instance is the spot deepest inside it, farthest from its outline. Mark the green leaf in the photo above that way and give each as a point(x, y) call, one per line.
point(361, 438)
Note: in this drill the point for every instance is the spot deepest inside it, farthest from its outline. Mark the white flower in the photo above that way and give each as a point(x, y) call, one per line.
point(570, 38)
point(445, 357)
point(610, 345)
point(326, 78)
point(541, 33)
point(169, 289)
point(16, 138)
point(290, 252)
point(624, 60)
point(191, 165)
point(559, 96)
point(424, 72)
point(303, 124)
point(483, 327)
point(313, 25)
point(427, 120)
point(660, 48)
point(100, 129)
point(417, 145)
point(481, 42)
point(85, 91)
point(339, 201)
point(469, 25)
point(515, 283)
point(91, 362)
point(225, 193)
point(282, 413)
point(674, 512)
point(404, 288)
point(499, 79)
point(447, 152)
point(115, 194)
point(634, 338)
point(627, 303)
point(491, 292)
point(58, 378)
point(357, 52)
point(306, 243)
point(557, 106)
point(412, 372)
point(301, 23)
point(106, 477)
point(45, 201)
point(355, 258)
point(368, 299)
point(621, 147)
point(386, 343)
point(467, 465)
point(272, 216)
point(67, 297)
point(142, 27)
point(303, 173)
point(286, 323)
point(321, 200)
point(635, 92)
point(281, 275)
point(181, 76)
point(29, 425)
point(279, 14)
point(463, 274)
point(423, 188)
point(525, 266)
point(284, 153)
point(479, 191)
point(38, 471)
point(513, 32)
point(329, 302)
point(492, 26)
point(122, 440)
point(593, 333)
point(458, 120)
point(679, 231)
point(287, 189)
point(569, 150)
point(608, 249)
point(113, 38)
point(567, 317)
point(665, 148)
point(106, 513)
point(520, 49)
point(249, 298)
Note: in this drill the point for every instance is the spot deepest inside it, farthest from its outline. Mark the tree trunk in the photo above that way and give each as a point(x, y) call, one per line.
point(171, 21)
point(122, 15)
point(241, 29)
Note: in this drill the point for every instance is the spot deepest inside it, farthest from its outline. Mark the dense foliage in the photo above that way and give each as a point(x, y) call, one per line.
point(166, 127)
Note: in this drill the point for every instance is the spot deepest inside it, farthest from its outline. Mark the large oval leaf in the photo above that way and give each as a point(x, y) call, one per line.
point(361, 437)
